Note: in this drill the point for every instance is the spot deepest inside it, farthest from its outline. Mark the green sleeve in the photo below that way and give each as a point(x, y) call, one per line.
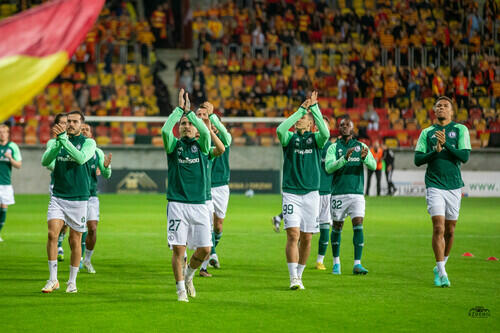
point(49, 157)
point(463, 137)
point(331, 162)
point(80, 156)
point(461, 154)
point(422, 142)
point(225, 136)
point(52, 165)
point(105, 172)
point(369, 160)
point(169, 140)
point(323, 135)
point(283, 134)
point(204, 139)
point(16, 153)
point(422, 158)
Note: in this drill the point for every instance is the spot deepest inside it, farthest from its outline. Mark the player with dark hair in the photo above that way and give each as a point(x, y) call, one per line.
point(443, 146)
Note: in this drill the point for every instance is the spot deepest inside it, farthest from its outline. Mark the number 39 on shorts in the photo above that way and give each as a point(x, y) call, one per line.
point(173, 225)
point(287, 209)
point(336, 204)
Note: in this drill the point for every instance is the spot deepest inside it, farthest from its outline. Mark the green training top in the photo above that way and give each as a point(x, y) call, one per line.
point(302, 153)
point(97, 161)
point(187, 160)
point(443, 168)
point(220, 168)
point(325, 178)
point(5, 165)
point(53, 164)
point(71, 170)
point(348, 175)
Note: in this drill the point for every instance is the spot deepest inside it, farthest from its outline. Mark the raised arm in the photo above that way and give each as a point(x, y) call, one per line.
point(367, 158)
point(225, 136)
point(324, 134)
point(421, 154)
point(332, 164)
point(80, 156)
point(104, 165)
point(167, 134)
point(461, 153)
point(204, 139)
point(49, 157)
point(283, 134)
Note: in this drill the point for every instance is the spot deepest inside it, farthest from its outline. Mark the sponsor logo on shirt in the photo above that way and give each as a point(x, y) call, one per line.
point(189, 160)
point(303, 151)
point(65, 159)
point(353, 159)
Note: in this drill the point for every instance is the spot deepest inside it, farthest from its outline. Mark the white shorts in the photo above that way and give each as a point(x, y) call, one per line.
point(51, 189)
point(443, 202)
point(211, 210)
point(344, 205)
point(324, 209)
point(93, 209)
point(220, 197)
point(301, 210)
point(7, 195)
point(188, 224)
point(73, 213)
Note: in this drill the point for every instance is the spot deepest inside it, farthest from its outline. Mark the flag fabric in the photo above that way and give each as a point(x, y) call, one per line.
point(36, 44)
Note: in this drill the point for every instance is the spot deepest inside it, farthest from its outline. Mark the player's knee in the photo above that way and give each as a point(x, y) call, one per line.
point(337, 226)
point(53, 236)
point(438, 230)
point(204, 252)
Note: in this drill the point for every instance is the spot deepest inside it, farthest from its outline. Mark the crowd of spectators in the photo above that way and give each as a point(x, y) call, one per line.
point(392, 55)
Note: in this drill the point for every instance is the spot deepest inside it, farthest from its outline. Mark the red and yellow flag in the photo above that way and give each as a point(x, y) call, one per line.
point(36, 44)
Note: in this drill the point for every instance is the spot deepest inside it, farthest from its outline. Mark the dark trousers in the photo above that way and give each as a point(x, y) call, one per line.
point(378, 174)
point(390, 185)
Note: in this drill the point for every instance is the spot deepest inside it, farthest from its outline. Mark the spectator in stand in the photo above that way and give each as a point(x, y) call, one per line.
point(388, 158)
point(258, 39)
point(377, 153)
point(146, 39)
point(159, 25)
point(438, 86)
point(391, 88)
point(372, 118)
point(184, 68)
point(495, 95)
point(351, 87)
point(461, 85)
point(198, 95)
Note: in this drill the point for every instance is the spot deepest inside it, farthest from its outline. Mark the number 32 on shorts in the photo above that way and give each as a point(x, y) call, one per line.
point(173, 225)
point(287, 209)
point(336, 204)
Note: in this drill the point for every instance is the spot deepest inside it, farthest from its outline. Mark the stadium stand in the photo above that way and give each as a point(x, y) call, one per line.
point(261, 60)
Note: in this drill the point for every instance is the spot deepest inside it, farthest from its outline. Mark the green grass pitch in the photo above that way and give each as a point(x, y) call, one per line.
point(134, 289)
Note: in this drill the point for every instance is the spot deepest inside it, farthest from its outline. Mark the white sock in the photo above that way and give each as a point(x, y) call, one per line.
point(278, 218)
point(357, 262)
point(440, 266)
point(88, 254)
point(320, 258)
point(73, 272)
point(292, 269)
point(445, 260)
point(59, 249)
point(189, 273)
point(204, 265)
point(185, 254)
point(336, 260)
point(300, 270)
point(53, 270)
point(181, 285)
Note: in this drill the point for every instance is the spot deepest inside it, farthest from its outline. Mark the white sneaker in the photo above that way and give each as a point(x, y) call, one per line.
point(294, 283)
point(88, 266)
point(214, 261)
point(50, 286)
point(182, 296)
point(190, 288)
point(71, 288)
point(301, 285)
point(1, 240)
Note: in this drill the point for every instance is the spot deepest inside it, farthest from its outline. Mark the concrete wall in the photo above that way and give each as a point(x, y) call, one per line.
point(33, 178)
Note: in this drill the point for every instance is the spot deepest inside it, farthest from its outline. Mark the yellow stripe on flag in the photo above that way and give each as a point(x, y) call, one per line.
point(23, 77)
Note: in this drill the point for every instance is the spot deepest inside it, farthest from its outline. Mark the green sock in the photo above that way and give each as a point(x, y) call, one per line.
point(358, 241)
point(84, 237)
point(3, 216)
point(217, 236)
point(324, 235)
point(60, 239)
point(335, 238)
point(212, 251)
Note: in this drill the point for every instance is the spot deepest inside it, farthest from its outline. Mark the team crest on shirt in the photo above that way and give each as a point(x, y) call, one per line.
point(452, 135)
point(78, 146)
point(357, 149)
point(297, 142)
point(309, 141)
point(194, 149)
